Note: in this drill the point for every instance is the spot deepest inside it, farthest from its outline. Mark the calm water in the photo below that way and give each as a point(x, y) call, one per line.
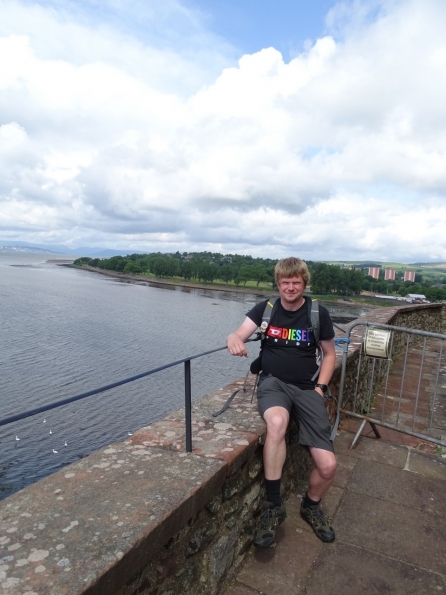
point(65, 331)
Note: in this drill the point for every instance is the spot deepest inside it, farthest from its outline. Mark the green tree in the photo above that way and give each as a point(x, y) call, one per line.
point(207, 272)
point(83, 260)
point(353, 281)
point(226, 273)
point(416, 288)
point(245, 273)
point(132, 267)
point(258, 273)
point(186, 270)
point(436, 294)
point(120, 266)
point(165, 266)
point(320, 279)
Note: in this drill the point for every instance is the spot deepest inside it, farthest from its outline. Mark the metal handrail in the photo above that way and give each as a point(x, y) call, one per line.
point(366, 418)
point(187, 393)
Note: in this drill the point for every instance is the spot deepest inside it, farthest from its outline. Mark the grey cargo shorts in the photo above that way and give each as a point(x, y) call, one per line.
point(307, 408)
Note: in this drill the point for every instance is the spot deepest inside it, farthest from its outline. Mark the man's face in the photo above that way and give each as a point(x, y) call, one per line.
point(291, 290)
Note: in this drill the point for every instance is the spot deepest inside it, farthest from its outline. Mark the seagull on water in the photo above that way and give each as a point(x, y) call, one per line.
point(17, 438)
point(51, 431)
point(55, 451)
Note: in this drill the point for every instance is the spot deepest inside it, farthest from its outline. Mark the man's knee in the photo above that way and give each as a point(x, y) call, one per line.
point(326, 465)
point(276, 419)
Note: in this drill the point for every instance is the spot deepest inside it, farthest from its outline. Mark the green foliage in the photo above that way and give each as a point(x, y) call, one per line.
point(132, 266)
point(207, 271)
point(326, 279)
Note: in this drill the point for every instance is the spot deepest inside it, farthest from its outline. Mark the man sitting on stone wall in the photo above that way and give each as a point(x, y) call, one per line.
point(286, 387)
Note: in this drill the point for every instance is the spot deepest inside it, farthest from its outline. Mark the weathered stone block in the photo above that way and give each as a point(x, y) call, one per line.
point(199, 538)
point(221, 558)
point(214, 504)
point(234, 485)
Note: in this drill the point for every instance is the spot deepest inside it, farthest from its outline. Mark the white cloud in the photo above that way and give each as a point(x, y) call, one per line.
point(111, 139)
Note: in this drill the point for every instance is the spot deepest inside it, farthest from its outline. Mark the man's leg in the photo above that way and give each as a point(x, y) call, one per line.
point(321, 479)
point(314, 432)
point(274, 450)
point(323, 474)
point(274, 454)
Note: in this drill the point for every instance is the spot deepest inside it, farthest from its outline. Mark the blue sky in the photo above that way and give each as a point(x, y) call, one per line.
point(251, 25)
point(313, 129)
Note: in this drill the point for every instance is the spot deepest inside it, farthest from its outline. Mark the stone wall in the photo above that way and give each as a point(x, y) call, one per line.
point(145, 517)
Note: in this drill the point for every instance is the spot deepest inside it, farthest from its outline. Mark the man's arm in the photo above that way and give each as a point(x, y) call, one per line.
point(236, 340)
point(328, 363)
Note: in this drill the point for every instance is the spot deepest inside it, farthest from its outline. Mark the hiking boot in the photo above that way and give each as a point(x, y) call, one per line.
point(319, 521)
point(269, 519)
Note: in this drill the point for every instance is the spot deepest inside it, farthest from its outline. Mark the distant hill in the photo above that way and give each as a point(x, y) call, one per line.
point(25, 249)
point(387, 265)
point(10, 246)
point(95, 252)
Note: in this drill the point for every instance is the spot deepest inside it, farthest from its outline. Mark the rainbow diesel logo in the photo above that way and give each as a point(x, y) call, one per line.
point(289, 334)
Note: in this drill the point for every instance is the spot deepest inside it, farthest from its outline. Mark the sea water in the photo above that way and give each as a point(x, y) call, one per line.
point(64, 331)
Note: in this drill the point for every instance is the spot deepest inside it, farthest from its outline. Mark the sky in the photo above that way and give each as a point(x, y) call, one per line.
point(315, 129)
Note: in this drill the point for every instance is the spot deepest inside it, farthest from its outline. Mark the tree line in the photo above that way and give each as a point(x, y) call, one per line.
point(203, 266)
point(236, 269)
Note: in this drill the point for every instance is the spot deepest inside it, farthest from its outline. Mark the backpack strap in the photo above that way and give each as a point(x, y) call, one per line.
point(271, 305)
point(313, 318)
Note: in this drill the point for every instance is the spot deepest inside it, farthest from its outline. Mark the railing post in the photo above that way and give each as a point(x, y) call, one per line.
point(188, 405)
point(345, 340)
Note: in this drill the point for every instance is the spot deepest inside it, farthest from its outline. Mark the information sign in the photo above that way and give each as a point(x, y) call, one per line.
point(376, 342)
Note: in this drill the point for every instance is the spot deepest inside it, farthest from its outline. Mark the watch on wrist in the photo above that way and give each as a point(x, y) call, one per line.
point(323, 387)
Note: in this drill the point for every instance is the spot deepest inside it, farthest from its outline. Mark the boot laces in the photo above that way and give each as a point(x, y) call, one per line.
point(266, 518)
point(321, 518)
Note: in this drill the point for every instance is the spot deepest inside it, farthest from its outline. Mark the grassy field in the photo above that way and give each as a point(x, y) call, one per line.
point(250, 285)
point(264, 288)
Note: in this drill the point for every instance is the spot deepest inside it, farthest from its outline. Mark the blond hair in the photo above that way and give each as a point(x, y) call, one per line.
point(290, 267)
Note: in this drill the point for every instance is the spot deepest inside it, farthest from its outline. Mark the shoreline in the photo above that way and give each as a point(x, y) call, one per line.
point(126, 278)
point(157, 281)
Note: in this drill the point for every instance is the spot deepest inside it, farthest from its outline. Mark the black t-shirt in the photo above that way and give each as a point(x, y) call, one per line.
point(289, 351)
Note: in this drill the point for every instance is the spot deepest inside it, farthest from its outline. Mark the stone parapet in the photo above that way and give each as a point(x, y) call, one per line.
point(143, 517)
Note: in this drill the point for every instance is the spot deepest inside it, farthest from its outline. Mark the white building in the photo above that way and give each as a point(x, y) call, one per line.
point(415, 297)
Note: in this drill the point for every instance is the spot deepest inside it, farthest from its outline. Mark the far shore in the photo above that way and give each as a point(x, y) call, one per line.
point(140, 280)
point(137, 279)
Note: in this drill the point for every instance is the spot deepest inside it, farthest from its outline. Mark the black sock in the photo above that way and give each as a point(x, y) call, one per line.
point(272, 487)
point(307, 502)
